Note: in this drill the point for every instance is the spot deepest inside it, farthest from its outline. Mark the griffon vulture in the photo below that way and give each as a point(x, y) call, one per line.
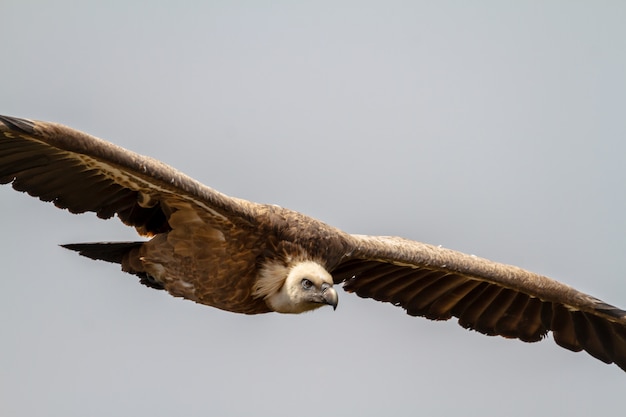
point(255, 258)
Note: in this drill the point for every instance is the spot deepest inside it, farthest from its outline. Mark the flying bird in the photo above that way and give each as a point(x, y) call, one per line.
point(254, 258)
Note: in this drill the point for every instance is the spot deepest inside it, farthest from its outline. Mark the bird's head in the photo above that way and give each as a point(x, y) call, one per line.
point(307, 286)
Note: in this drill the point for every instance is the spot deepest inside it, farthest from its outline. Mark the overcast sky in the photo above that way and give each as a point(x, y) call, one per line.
point(494, 128)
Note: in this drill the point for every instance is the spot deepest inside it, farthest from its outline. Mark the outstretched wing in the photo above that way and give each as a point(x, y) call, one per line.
point(82, 173)
point(492, 298)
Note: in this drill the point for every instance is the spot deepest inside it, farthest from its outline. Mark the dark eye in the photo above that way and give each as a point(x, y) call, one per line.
point(306, 284)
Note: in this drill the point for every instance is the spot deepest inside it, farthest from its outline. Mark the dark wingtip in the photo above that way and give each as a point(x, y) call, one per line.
point(17, 124)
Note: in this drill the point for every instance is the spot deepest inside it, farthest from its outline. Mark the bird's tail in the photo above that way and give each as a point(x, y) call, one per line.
point(104, 251)
point(126, 254)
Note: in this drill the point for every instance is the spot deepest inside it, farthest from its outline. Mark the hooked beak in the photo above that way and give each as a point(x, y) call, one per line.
point(330, 295)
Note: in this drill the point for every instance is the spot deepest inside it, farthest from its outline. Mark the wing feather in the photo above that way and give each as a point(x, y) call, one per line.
point(492, 298)
point(82, 173)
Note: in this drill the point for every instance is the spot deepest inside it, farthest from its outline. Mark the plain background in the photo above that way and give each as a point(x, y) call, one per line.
point(494, 128)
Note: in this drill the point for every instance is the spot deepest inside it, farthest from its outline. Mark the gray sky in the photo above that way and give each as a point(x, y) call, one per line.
point(497, 129)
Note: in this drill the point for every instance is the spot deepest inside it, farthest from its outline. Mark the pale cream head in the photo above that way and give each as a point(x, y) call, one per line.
point(306, 287)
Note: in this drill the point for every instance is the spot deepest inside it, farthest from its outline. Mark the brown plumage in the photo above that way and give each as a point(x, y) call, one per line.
point(254, 258)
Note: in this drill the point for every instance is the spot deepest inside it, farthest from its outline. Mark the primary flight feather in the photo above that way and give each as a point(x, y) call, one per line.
point(253, 258)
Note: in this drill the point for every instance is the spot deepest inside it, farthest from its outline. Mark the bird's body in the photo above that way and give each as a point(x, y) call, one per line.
point(212, 261)
point(253, 258)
